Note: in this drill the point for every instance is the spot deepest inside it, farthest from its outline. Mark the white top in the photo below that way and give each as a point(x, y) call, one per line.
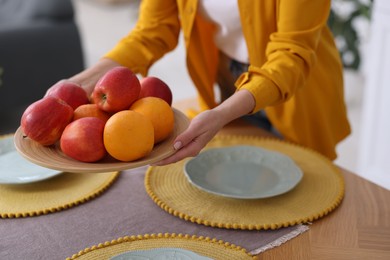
point(229, 37)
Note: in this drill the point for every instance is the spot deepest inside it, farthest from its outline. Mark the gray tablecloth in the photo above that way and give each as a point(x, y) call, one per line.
point(124, 209)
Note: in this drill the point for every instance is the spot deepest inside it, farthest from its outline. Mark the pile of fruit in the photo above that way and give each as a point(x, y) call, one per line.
point(124, 117)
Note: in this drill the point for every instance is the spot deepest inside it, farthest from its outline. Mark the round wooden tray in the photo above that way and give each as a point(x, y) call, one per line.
point(52, 157)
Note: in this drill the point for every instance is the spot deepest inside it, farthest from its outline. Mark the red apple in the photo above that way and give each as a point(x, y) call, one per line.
point(155, 87)
point(116, 90)
point(72, 93)
point(82, 139)
point(44, 120)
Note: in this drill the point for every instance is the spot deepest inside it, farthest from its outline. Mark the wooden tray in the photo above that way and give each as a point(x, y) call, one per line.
point(52, 157)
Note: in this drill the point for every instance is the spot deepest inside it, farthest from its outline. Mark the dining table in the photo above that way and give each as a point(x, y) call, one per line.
point(359, 228)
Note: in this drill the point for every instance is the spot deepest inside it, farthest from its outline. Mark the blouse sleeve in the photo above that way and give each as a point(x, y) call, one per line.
point(155, 33)
point(290, 52)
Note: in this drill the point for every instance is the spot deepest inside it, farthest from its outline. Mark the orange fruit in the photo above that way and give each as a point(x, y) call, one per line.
point(90, 110)
point(128, 136)
point(159, 112)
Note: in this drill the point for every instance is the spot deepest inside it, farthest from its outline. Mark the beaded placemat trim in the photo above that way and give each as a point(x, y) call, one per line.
point(87, 197)
point(161, 236)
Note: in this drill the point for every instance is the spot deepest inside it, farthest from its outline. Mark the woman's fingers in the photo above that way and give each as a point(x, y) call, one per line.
point(190, 150)
point(197, 127)
point(190, 145)
point(193, 139)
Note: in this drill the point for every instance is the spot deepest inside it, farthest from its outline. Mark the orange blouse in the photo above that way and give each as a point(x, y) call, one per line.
point(295, 71)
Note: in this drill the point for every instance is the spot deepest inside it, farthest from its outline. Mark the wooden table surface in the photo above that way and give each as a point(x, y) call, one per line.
point(358, 229)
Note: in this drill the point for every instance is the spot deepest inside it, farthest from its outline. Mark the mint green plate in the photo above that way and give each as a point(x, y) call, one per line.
point(243, 172)
point(14, 169)
point(160, 254)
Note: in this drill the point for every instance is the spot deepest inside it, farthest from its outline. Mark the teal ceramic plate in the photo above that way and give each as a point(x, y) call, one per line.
point(243, 172)
point(160, 253)
point(14, 169)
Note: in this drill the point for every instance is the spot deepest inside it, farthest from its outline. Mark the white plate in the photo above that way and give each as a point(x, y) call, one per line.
point(160, 253)
point(14, 169)
point(243, 172)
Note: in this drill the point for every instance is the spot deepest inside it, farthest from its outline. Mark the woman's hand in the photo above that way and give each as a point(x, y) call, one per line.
point(207, 124)
point(200, 131)
point(88, 78)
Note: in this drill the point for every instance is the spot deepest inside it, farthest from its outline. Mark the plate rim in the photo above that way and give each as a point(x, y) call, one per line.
point(16, 180)
point(297, 180)
point(158, 252)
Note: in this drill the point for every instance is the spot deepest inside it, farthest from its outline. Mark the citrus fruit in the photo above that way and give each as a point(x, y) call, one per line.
point(128, 136)
point(159, 112)
point(90, 110)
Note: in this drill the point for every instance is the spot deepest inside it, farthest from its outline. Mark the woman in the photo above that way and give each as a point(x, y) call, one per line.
point(290, 66)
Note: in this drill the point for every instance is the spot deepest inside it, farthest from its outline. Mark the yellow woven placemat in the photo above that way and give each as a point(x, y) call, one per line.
point(58, 193)
point(205, 246)
point(320, 191)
